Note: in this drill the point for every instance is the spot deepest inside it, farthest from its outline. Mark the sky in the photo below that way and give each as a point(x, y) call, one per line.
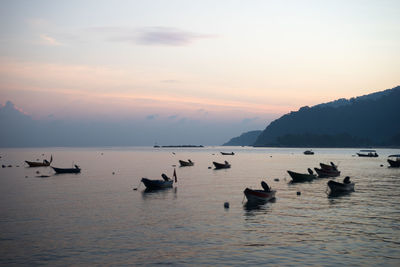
point(224, 67)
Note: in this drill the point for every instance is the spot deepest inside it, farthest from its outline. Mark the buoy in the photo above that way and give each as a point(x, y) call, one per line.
point(37, 172)
point(298, 193)
point(226, 205)
point(113, 173)
point(209, 167)
point(381, 165)
point(276, 179)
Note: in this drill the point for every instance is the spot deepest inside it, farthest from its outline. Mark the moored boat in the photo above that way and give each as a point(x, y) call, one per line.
point(76, 169)
point(308, 152)
point(45, 163)
point(332, 166)
point(186, 163)
point(228, 153)
point(302, 177)
point(224, 165)
point(157, 184)
point(346, 186)
point(368, 153)
point(260, 195)
point(323, 173)
point(166, 182)
point(394, 161)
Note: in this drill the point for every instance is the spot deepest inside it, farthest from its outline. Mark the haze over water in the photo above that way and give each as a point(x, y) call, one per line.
point(96, 218)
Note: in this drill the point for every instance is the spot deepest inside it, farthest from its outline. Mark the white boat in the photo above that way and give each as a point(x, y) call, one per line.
point(368, 153)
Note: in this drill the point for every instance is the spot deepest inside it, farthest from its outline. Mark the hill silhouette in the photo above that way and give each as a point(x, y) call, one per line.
point(245, 139)
point(370, 120)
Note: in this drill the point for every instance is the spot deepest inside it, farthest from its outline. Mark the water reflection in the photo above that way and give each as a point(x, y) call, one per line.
point(159, 193)
point(250, 206)
point(339, 194)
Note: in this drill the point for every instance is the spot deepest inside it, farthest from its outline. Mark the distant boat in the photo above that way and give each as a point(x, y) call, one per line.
point(186, 163)
point(45, 163)
point(302, 177)
point(327, 170)
point(394, 161)
point(308, 152)
point(367, 153)
point(260, 195)
point(224, 165)
point(76, 169)
point(336, 187)
point(228, 153)
point(159, 184)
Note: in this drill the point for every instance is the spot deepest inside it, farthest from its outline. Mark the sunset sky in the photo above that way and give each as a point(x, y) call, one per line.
point(239, 62)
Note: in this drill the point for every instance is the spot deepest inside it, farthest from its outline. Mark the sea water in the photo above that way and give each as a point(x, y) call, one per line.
point(97, 218)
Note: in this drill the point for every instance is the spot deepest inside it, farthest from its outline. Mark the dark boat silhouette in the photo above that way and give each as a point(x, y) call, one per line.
point(45, 163)
point(76, 169)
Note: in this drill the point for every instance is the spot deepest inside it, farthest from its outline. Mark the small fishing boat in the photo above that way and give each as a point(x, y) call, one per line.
point(260, 195)
point(45, 163)
point(346, 186)
point(327, 170)
point(394, 161)
point(323, 173)
point(76, 169)
point(328, 167)
point(224, 165)
point(368, 153)
point(302, 177)
point(308, 152)
point(166, 182)
point(227, 153)
point(186, 163)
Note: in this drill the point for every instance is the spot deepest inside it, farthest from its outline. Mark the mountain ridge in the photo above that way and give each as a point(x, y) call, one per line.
point(368, 120)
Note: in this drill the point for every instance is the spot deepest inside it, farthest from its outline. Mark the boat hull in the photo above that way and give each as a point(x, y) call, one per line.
point(394, 163)
point(327, 173)
point(259, 195)
point(66, 170)
point(157, 184)
point(301, 177)
point(336, 187)
point(221, 165)
point(227, 153)
point(368, 155)
point(185, 163)
point(37, 164)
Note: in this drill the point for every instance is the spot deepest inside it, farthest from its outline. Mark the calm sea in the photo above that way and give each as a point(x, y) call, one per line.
point(96, 218)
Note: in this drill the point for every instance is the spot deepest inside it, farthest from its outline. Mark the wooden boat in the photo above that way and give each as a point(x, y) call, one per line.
point(260, 195)
point(308, 152)
point(302, 177)
point(367, 153)
point(327, 167)
point(228, 153)
point(45, 163)
point(186, 163)
point(323, 173)
point(67, 170)
point(337, 187)
point(394, 161)
point(159, 184)
point(224, 165)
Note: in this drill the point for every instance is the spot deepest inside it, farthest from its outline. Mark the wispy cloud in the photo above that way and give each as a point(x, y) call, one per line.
point(249, 120)
point(164, 36)
point(151, 117)
point(167, 36)
point(48, 40)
